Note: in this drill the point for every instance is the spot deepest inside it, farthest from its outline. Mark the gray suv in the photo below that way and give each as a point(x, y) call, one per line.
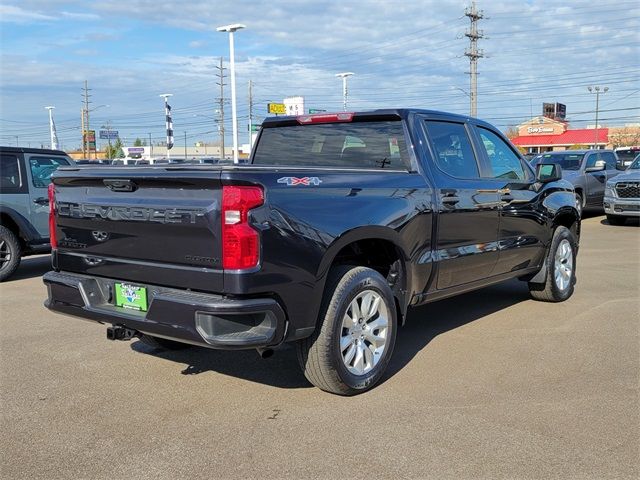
point(587, 170)
point(25, 175)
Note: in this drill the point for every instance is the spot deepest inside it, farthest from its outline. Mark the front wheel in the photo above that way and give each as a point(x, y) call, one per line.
point(356, 332)
point(561, 269)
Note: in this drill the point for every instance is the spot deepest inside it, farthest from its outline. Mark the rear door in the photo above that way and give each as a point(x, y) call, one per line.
point(468, 206)
point(14, 187)
point(39, 170)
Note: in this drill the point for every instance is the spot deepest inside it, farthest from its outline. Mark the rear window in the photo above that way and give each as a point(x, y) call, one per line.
point(370, 145)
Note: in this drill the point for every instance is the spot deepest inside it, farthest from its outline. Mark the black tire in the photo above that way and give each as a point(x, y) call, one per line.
point(616, 219)
point(320, 355)
point(579, 202)
point(551, 291)
point(10, 253)
point(163, 343)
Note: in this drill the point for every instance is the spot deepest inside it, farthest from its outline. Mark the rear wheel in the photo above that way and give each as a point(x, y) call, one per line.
point(616, 219)
point(354, 339)
point(561, 269)
point(10, 253)
point(162, 343)
point(579, 202)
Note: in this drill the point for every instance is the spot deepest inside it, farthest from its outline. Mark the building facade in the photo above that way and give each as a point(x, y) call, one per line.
point(544, 134)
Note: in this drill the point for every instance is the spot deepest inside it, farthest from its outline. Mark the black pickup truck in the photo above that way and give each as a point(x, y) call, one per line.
point(337, 225)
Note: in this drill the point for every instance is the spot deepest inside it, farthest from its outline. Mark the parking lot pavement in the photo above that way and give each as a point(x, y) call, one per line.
point(486, 385)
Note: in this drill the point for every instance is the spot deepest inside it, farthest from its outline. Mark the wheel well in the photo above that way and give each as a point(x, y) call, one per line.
point(569, 220)
point(385, 258)
point(8, 222)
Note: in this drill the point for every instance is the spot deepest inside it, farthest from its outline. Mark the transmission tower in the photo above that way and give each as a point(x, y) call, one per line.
point(220, 74)
point(474, 54)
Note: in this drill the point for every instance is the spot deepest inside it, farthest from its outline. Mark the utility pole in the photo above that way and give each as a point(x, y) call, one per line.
point(597, 91)
point(185, 146)
point(250, 115)
point(150, 147)
point(85, 132)
point(84, 152)
point(474, 53)
point(17, 143)
point(220, 76)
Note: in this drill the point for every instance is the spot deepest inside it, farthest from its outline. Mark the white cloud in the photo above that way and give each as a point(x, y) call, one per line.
point(11, 13)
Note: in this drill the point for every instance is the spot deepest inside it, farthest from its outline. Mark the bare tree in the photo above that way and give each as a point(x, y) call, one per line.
point(624, 136)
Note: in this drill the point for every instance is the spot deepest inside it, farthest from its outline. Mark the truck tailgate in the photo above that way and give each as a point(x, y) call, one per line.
point(145, 225)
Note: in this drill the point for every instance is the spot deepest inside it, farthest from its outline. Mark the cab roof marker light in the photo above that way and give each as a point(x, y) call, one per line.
point(325, 118)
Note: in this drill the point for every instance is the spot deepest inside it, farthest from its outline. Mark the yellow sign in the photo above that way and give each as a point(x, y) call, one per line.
point(277, 108)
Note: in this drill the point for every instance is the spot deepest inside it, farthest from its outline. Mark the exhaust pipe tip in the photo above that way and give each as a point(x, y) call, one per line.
point(265, 352)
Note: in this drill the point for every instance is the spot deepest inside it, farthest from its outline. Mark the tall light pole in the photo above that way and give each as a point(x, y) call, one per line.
point(232, 66)
point(344, 76)
point(52, 129)
point(168, 122)
point(597, 91)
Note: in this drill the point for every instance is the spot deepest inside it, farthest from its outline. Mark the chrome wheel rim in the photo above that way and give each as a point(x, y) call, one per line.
point(579, 203)
point(5, 254)
point(364, 333)
point(563, 265)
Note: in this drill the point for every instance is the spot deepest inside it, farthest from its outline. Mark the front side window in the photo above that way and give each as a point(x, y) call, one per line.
point(367, 145)
point(591, 161)
point(43, 167)
point(10, 178)
point(453, 152)
point(610, 160)
point(504, 163)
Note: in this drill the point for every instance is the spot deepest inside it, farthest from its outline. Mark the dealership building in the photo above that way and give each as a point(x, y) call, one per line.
point(551, 131)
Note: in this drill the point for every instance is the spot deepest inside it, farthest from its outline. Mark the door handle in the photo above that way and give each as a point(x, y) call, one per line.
point(450, 200)
point(41, 201)
point(506, 198)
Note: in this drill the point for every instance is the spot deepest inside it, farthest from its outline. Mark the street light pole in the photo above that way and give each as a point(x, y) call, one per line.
point(169, 130)
point(596, 90)
point(344, 76)
point(52, 133)
point(231, 29)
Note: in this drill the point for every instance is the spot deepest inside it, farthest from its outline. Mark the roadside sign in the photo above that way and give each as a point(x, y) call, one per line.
point(136, 149)
point(316, 110)
point(277, 108)
point(108, 134)
point(255, 127)
point(90, 139)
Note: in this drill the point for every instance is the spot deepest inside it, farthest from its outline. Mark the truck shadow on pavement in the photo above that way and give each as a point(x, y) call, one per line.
point(31, 267)
point(281, 370)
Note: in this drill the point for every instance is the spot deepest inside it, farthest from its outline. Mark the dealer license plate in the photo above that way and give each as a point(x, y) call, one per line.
point(131, 296)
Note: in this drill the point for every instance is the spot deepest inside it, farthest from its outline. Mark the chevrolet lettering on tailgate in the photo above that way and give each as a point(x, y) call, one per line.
point(136, 214)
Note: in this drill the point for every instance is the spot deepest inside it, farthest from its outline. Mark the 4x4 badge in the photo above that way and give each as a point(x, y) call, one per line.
point(306, 181)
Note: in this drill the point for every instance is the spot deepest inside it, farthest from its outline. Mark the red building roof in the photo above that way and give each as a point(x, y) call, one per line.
point(583, 136)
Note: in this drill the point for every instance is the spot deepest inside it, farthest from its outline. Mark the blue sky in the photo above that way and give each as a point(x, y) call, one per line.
point(403, 54)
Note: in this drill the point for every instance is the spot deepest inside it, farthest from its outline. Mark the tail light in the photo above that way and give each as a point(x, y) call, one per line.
point(240, 241)
point(52, 217)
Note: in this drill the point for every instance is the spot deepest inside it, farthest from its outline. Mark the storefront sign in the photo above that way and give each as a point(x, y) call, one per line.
point(540, 130)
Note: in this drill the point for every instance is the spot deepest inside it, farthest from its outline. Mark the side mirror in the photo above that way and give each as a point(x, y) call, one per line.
point(548, 172)
point(597, 167)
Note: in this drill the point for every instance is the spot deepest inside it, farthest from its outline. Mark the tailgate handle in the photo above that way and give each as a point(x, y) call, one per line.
point(120, 185)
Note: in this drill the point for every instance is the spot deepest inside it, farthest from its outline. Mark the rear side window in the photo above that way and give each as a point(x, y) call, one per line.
point(43, 167)
point(367, 145)
point(504, 163)
point(10, 175)
point(610, 160)
point(453, 151)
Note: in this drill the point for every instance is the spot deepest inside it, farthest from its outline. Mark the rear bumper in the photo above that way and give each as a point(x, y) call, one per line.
point(202, 319)
point(627, 207)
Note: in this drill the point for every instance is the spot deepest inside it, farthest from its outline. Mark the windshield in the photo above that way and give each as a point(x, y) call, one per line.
point(628, 155)
point(567, 161)
point(636, 164)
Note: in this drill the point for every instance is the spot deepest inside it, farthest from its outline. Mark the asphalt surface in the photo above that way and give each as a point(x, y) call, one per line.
point(486, 385)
